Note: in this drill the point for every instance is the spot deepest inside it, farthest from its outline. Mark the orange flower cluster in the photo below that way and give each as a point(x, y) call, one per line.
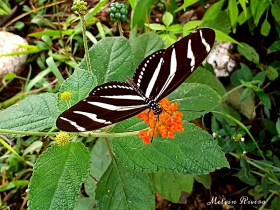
point(165, 124)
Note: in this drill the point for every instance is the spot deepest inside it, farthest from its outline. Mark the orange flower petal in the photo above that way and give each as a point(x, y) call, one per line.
point(168, 122)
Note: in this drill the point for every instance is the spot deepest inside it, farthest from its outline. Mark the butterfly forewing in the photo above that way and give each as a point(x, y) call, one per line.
point(106, 104)
point(177, 63)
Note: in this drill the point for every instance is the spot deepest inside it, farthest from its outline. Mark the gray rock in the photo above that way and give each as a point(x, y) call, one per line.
point(9, 44)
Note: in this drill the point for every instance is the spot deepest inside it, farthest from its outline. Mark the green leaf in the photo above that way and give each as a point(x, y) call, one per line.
point(13, 184)
point(100, 161)
point(212, 12)
point(241, 19)
point(170, 39)
point(278, 126)
point(52, 33)
point(175, 28)
point(276, 161)
point(80, 83)
point(244, 73)
point(53, 67)
point(248, 178)
point(185, 5)
point(245, 166)
point(156, 26)
point(233, 13)
point(19, 25)
point(265, 185)
point(190, 26)
point(36, 145)
point(191, 96)
point(110, 59)
point(270, 126)
point(262, 5)
point(243, 5)
point(167, 19)
point(170, 185)
point(229, 145)
point(132, 3)
point(254, 5)
point(33, 113)
point(142, 9)
point(274, 47)
point(214, 124)
point(42, 22)
point(264, 98)
point(271, 73)
point(247, 107)
point(131, 124)
point(85, 203)
point(248, 52)
point(220, 23)
point(265, 28)
point(192, 151)
point(245, 94)
point(57, 177)
point(124, 188)
point(275, 11)
point(145, 45)
point(204, 179)
point(202, 76)
point(275, 203)
point(260, 76)
point(220, 36)
point(275, 138)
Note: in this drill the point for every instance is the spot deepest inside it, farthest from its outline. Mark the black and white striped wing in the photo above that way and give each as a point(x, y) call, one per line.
point(106, 104)
point(163, 71)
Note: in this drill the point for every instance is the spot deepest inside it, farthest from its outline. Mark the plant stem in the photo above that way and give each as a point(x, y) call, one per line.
point(108, 135)
point(267, 200)
point(236, 88)
point(85, 41)
point(84, 134)
point(119, 23)
point(27, 133)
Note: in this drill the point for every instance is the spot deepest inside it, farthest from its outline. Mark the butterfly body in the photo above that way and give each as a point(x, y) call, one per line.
point(157, 76)
point(152, 104)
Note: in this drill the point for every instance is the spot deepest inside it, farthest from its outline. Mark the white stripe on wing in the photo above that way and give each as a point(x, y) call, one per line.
point(207, 46)
point(190, 54)
point(115, 108)
point(153, 79)
point(126, 97)
point(79, 128)
point(92, 117)
point(173, 68)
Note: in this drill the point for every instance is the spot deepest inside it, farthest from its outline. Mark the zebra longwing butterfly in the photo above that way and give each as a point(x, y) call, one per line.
point(158, 75)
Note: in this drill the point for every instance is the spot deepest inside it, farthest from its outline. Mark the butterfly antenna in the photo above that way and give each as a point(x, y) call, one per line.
point(190, 110)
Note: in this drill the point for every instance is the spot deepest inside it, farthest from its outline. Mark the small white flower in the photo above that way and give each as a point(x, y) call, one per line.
point(214, 134)
point(244, 152)
point(243, 139)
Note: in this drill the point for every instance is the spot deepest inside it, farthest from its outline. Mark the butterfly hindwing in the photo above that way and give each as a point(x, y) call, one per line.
point(146, 70)
point(106, 104)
